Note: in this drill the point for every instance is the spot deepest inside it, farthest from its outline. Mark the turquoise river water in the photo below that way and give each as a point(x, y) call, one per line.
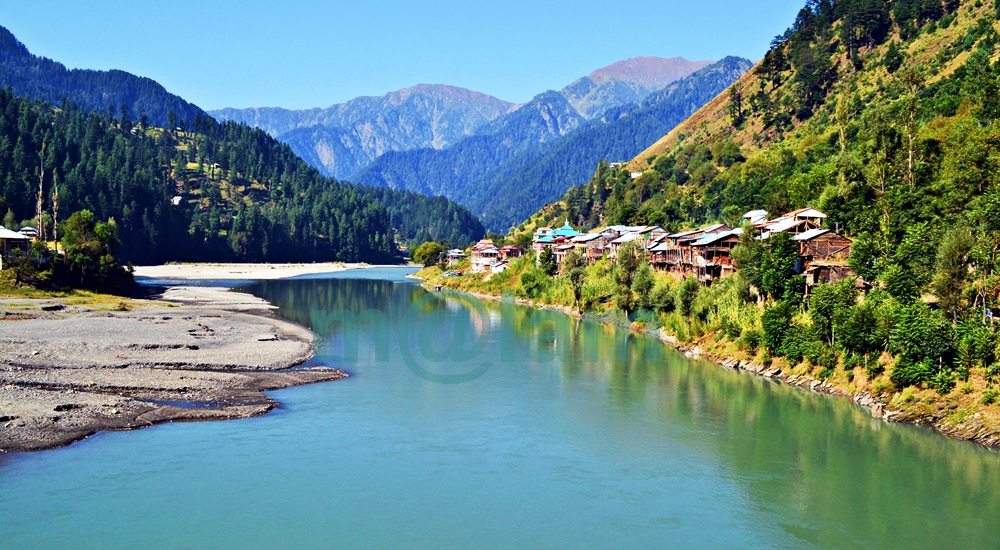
point(548, 443)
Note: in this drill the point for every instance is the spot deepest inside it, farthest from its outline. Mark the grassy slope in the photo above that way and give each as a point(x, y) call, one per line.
point(711, 123)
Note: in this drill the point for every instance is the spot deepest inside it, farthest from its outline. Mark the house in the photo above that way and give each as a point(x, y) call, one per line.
point(635, 175)
point(755, 217)
point(612, 247)
point(674, 252)
point(29, 232)
point(645, 232)
point(510, 251)
point(785, 224)
point(712, 255)
point(823, 256)
point(810, 214)
point(484, 255)
point(541, 238)
point(500, 267)
point(562, 250)
point(591, 245)
point(10, 241)
point(454, 256)
point(795, 222)
point(550, 237)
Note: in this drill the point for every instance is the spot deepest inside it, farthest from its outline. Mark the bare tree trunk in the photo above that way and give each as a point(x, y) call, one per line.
point(41, 196)
point(55, 211)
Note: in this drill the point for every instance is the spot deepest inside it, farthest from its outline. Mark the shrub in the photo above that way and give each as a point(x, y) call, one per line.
point(776, 320)
point(910, 373)
point(943, 382)
point(989, 397)
point(750, 340)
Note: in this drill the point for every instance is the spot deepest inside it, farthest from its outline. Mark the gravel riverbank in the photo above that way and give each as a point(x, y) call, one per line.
point(68, 371)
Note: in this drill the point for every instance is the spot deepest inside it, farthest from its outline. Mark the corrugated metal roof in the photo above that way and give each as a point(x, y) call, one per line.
point(716, 237)
point(626, 238)
point(810, 235)
point(7, 234)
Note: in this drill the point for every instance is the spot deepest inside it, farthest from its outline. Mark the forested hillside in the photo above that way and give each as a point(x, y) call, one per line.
point(419, 218)
point(240, 194)
point(42, 78)
point(886, 116)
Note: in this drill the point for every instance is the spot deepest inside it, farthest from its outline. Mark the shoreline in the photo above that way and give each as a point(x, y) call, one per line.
point(71, 368)
point(968, 430)
point(241, 272)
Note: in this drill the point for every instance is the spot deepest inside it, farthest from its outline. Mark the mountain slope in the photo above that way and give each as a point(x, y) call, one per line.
point(343, 138)
point(863, 111)
point(221, 193)
point(627, 81)
point(449, 171)
point(531, 156)
point(42, 78)
point(619, 134)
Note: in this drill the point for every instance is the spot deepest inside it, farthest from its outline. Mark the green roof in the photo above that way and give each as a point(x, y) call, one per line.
point(565, 231)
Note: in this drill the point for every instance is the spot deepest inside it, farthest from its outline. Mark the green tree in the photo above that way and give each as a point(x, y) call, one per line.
point(575, 271)
point(830, 306)
point(953, 269)
point(428, 254)
point(687, 293)
point(90, 249)
point(642, 285)
point(630, 257)
point(547, 262)
point(10, 221)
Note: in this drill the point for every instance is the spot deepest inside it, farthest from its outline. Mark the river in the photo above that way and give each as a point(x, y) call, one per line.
point(547, 443)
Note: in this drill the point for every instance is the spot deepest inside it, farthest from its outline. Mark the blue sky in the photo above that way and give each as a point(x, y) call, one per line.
point(312, 53)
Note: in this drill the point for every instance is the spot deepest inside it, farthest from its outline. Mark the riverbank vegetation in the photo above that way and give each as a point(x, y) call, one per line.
point(884, 116)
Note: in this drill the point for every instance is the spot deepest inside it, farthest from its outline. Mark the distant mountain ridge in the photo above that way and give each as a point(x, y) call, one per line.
point(627, 81)
point(527, 158)
point(620, 133)
point(45, 79)
point(343, 139)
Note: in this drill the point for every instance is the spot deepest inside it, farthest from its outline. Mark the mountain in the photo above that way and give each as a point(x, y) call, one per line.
point(627, 81)
point(620, 133)
point(42, 78)
point(343, 138)
point(418, 218)
point(530, 156)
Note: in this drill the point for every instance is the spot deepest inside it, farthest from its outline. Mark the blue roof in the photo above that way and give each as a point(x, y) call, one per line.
point(566, 231)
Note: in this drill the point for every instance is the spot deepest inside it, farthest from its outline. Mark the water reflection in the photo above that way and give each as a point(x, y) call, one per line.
point(821, 469)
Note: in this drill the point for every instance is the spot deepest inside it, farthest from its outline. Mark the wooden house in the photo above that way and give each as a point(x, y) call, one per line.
point(823, 257)
point(712, 255)
point(510, 252)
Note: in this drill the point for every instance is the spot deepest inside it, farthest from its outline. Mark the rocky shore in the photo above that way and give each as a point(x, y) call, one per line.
point(70, 368)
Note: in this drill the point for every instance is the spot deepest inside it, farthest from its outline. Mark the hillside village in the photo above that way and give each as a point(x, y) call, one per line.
point(705, 254)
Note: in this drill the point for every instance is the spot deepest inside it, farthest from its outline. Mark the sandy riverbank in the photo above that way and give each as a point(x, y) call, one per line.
point(256, 272)
point(193, 353)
